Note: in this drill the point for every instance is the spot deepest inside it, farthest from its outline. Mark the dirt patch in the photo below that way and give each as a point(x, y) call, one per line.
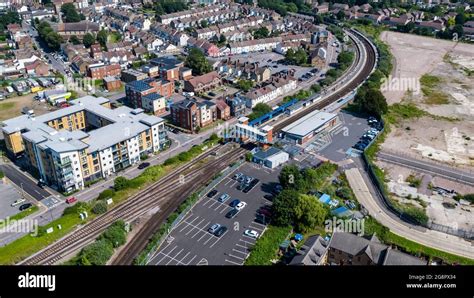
point(12, 107)
point(461, 216)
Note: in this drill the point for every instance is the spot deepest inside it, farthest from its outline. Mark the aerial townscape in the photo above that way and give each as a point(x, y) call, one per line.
point(237, 132)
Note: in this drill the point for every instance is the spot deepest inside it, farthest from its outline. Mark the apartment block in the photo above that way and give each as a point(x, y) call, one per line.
point(191, 114)
point(136, 91)
point(73, 146)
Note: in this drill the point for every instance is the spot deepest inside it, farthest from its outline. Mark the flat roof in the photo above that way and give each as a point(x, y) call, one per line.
point(125, 124)
point(308, 123)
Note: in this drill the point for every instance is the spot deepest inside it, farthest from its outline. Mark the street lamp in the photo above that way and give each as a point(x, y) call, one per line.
point(22, 191)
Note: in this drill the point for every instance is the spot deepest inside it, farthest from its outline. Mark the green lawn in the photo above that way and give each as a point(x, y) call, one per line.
point(27, 245)
point(266, 247)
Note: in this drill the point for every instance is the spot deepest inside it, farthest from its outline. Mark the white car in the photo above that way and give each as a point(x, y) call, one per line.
point(240, 205)
point(18, 202)
point(251, 233)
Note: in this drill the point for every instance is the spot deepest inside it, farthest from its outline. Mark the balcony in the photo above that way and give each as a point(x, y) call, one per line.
point(65, 162)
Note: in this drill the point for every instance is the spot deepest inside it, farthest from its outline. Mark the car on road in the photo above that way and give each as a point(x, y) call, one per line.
point(71, 200)
point(212, 229)
point(234, 203)
point(240, 206)
point(232, 213)
point(237, 176)
point(220, 231)
point(143, 165)
point(224, 197)
point(25, 206)
point(18, 202)
point(212, 193)
point(251, 233)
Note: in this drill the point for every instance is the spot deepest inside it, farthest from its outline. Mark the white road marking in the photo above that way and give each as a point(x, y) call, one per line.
point(233, 262)
point(191, 260)
point(195, 226)
point(244, 253)
point(174, 258)
point(236, 257)
point(206, 225)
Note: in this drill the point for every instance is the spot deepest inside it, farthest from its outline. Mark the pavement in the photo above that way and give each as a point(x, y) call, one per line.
point(9, 195)
point(189, 243)
point(427, 167)
point(24, 182)
point(438, 240)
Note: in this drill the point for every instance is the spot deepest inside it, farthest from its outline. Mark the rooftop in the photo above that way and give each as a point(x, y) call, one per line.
point(125, 123)
point(308, 123)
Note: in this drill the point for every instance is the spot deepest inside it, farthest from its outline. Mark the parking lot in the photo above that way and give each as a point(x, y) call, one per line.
point(9, 195)
point(190, 243)
point(353, 127)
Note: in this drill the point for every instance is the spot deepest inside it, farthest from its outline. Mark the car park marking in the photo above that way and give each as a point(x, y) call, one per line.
point(206, 225)
point(198, 228)
point(244, 253)
point(195, 226)
point(188, 223)
point(219, 238)
point(247, 241)
point(233, 262)
point(241, 246)
point(236, 257)
point(191, 260)
point(174, 257)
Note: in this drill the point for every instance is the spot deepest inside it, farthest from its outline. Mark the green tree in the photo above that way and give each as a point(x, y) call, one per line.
point(74, 40)
point(245, 85)
point(315, 88)
point(222, 40)
point(54, 19)
point(261, 32)
point(120, 183)
point(309, 213)
point(102, 37)
point(460, 19)
point(70, 13)
point(298, 57)
point(291, 177)
point(371, 101)
point(204, 24)
point(259, 110)
point(88, 40)
point(284, 207)
point(197, 62)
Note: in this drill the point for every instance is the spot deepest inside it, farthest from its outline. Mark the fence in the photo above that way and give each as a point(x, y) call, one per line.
point(382, 192)
point(180, 217)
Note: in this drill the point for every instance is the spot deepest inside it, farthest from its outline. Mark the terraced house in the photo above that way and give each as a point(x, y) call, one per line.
point(71, 147)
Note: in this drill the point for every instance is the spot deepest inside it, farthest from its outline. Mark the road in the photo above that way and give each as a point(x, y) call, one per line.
point(427, 167)
point(23, 181)
point(55, 64)
point(438, 240)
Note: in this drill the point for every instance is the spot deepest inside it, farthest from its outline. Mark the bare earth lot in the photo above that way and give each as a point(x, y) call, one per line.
point(450, 142)
point(11, 107)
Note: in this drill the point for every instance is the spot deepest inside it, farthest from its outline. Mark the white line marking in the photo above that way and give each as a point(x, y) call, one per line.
point(244, 253)
point(233, 262)
point(195, 226)
point(236, 257)
point(174, 258)
point(191, 260)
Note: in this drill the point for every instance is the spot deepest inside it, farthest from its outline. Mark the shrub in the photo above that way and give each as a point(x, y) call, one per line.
point(2, 175)
point(106, 194)
point(98, 253)
point(76, 208)
point(100, 207)
point(121, 183)
point(115, 234)
point(144, 156)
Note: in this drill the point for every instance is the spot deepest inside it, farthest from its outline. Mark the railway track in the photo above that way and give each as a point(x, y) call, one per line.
point(134, 207)
point(359, 79)
point(138, 243)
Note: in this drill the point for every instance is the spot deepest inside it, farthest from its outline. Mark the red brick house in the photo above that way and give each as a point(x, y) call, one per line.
point(203, 83)
point(102, 71)
point(223, 110)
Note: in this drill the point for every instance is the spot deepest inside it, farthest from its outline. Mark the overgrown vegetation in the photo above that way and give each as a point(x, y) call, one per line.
point(266, 247)
point(259, 110)
point(429, 84)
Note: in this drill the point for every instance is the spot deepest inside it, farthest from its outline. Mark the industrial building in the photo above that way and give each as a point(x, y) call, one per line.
point(74, 146)
point(307, 127)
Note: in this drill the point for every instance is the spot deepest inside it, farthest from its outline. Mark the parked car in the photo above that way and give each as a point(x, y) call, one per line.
point(242, 178)
point(241, 186)
point(234, 203)
point(25, 206)
point(251, 233)
point(240, 205)
point(212, 229)
point(220, 231)
point(232, 213)
point(237, 176)
point(18, 202)
point(212, 193)
point(143, 165)
point(248, 180)
point(71, 200)
point(269, 197)
point(223, 198)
